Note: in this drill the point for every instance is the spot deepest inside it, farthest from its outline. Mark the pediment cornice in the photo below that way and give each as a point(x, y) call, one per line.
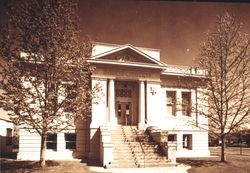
point(127, 55)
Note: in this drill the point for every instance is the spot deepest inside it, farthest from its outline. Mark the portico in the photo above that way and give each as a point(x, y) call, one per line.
point(122, 75)
point(125, 102)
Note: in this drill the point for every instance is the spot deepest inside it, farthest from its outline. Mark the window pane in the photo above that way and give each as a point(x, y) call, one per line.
point(71, 91)
point(187, 141)
point(8, 136)
point(52, 137)
point(52, 141)
point(186, 103)
point(8, 141)
point(8, 132)
point(70, 136)
point(172, 137)
point(70, 139)
point(51, 145)
point(70, 145)
point(171, 102)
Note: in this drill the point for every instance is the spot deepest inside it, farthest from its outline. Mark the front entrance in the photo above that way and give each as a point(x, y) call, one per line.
point(124, 113)
point(126, 99)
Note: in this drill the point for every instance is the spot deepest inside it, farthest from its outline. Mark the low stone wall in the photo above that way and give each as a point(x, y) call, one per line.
point(161, 137)
point(106, 147)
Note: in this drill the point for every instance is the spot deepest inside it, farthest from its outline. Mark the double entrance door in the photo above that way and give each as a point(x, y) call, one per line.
point(126, 98)
point(124, 113)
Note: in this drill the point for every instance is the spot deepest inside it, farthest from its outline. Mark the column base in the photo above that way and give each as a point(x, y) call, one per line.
point(142, 126)
point(113, 124)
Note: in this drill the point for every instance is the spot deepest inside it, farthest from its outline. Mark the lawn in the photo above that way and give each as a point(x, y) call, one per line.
point(236, 163)
point(15, 166)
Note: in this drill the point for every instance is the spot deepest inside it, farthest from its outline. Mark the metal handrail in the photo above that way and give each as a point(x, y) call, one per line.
point(143, 151)
point(126, 140)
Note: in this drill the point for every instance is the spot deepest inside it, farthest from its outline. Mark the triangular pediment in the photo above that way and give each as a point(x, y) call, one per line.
point(127, 54)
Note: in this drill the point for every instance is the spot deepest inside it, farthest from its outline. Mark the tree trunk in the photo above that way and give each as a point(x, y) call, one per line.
point(222, 156)
point(43, 150)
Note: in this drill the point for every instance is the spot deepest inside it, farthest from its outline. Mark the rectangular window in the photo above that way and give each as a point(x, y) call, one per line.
point(8, 136)
point(172, 137)
point(52, 141)
point(123, 92)
point(70, 91)
point(70, 139)
point(171, 102)
point(186, 103)
point(187, 141)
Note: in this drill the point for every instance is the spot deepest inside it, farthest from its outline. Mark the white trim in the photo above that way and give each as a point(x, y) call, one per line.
point(182, 74)
point(132, 64)
point(129, 47)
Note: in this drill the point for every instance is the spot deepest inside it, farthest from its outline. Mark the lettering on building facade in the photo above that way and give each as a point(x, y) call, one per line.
point(128, 74)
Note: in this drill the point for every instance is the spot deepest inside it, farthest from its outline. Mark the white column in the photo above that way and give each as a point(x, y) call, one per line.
point(141, 105)
point(111, 91)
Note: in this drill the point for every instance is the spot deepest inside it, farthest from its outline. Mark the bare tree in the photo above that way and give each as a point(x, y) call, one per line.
point(225, 56)
point(45, 79)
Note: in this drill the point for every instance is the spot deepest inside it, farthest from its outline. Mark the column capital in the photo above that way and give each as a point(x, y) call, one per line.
point(98, 78)
point(142, 80)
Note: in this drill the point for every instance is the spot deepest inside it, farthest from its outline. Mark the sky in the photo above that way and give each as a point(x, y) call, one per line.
point(176, 28)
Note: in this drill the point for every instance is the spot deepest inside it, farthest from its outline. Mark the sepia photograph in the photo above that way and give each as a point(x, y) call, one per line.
point(121, 86)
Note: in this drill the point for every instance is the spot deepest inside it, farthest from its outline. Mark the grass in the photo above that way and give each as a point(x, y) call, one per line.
point(16, 166)
point(235, 162)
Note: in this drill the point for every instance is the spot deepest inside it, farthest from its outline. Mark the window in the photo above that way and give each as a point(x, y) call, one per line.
point(171, 102)
point(187, 141)
point(70, 139)
point(71, 91)
point(123, 92)
point(186, 103)
point(172, 137)
point(70, 96)
point(52, 141)
point(8, 136)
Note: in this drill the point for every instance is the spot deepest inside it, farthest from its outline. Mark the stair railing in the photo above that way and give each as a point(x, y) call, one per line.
point(130, 146)
point(143, 151)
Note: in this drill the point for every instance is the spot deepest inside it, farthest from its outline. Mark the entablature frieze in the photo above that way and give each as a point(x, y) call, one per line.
point(122, 74)
point(99, 78)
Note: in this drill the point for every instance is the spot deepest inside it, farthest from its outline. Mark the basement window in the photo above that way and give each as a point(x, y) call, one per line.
point(70, 140)
point(8, 137)
point(187, 141)
point(172, 137)
point(52, 141)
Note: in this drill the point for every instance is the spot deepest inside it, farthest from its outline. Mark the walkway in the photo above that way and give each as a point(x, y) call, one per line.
point(170, 169)
point(65, 166)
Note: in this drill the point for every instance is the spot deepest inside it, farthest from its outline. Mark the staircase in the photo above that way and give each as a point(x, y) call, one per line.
point(133, 149)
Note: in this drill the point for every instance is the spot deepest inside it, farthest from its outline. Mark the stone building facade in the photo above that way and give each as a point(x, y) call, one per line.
point(137, 89)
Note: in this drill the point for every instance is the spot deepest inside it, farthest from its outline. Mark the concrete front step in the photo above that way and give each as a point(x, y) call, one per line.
point(128, 150)
point(120, 165)
point(150, 159)
point(138, 165)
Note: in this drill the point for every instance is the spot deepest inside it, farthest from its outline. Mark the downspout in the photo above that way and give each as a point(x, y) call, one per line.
point(146, 116)
point(196, 107)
